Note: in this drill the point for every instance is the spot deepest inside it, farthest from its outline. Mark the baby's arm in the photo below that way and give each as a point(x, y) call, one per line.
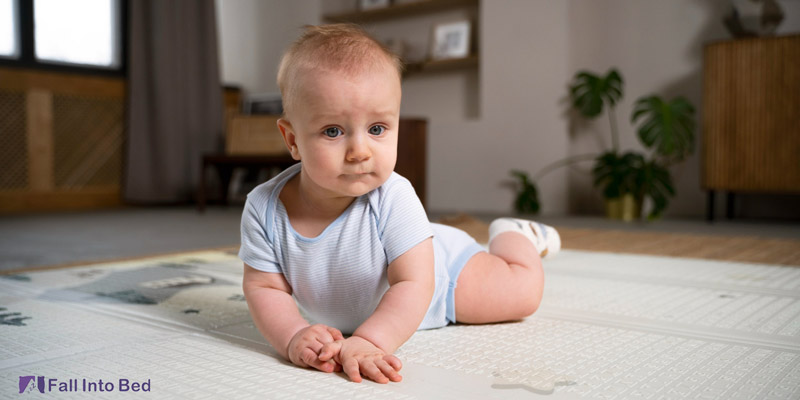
point(397, 317)
point(403, 306)
point(275, 314)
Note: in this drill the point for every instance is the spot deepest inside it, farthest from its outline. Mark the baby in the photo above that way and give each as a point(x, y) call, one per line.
point(346, 239)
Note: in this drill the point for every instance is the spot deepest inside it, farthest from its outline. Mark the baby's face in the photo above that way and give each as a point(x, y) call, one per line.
point(346, 129)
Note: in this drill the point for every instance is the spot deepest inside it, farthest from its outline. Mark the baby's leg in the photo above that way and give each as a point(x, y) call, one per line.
point(502, 285)
point(506, 283)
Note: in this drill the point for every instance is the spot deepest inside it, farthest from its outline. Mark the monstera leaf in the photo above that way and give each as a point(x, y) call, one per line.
point(617, 174)
point(668, 127)
point(629, 173)
point(655, 182)
point(527, 201)
point(590, 92)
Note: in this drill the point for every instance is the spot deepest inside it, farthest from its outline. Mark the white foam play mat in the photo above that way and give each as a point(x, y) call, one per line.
point(611, 326)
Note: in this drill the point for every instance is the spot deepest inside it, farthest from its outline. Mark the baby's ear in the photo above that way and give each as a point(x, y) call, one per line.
point(289, 137)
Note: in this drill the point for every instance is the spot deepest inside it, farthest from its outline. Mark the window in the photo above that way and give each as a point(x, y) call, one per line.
point(75, 35)
point(9, 34)
point(77, 32)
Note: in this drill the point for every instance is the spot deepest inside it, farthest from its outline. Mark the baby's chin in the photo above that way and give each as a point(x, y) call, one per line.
point(361, 184)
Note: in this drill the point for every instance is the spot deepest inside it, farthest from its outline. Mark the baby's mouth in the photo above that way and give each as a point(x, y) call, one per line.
point(357, 174)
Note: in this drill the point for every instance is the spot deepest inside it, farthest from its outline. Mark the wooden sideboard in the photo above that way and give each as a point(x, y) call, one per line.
point(751, 117)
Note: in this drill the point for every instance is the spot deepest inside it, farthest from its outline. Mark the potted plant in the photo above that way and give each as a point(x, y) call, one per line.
point(626, 179)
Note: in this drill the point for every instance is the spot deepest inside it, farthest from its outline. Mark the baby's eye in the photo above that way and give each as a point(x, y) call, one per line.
point(332, 132)
point(376, 130)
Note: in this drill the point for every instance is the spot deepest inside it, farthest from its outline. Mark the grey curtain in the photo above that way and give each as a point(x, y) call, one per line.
point(174, 98)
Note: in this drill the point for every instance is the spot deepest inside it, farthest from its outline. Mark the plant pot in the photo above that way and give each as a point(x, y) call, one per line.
point(626, 208)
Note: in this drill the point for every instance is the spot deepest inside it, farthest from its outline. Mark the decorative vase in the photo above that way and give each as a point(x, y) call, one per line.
point(626, 208)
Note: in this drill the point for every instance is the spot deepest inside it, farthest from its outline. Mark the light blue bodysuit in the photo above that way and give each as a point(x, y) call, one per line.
point(339, 277)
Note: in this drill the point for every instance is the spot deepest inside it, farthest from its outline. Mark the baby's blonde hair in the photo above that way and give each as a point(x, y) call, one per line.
point(344, 48)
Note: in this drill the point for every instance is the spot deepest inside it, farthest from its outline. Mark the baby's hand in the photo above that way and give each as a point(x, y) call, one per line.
point(305, 348)
point(359, 356)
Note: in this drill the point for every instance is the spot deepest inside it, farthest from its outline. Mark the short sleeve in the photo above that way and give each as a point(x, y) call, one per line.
point(257, 250)
point(403, 222)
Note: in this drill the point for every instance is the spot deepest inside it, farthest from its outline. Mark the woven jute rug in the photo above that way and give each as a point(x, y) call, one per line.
point(712, 247)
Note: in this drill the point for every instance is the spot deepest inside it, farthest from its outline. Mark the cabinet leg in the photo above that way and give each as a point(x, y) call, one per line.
point(710, 206)
point(730, 206)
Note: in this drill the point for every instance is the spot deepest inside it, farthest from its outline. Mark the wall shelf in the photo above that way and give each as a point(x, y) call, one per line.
point(399, 11)
point(418, 8)
point(442, 65)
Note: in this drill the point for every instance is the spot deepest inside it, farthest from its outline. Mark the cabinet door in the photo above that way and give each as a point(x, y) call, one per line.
point(751, 115)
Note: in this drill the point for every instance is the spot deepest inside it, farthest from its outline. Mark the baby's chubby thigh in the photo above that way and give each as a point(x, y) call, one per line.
point(452, 249)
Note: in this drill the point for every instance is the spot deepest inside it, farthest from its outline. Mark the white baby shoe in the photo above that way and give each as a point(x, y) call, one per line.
point(544, 237)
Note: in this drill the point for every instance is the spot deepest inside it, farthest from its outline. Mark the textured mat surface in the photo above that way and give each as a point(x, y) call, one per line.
point(610, 326)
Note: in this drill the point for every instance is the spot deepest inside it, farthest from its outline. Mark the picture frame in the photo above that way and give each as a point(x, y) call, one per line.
point(451, 40)
point(366, 5)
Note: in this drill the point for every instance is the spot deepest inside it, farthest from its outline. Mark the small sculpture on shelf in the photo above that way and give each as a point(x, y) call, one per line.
point(753, 18)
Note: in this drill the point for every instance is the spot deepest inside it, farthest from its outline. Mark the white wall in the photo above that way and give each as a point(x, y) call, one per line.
point(524, 57)
point(512, 112)
point(253, 35)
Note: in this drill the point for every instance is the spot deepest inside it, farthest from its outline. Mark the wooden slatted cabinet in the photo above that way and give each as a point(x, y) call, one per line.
point(751, 117)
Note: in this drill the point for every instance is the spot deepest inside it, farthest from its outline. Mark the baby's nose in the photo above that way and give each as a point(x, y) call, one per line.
point(359, 150)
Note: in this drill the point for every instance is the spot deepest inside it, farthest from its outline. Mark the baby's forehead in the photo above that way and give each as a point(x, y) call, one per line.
point(306, 75)
point(309, 77)
point(325, 93)
point(350, 68)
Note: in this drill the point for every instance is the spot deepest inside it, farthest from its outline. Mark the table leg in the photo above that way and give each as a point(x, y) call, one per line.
point(224, 172)
point(201, 189)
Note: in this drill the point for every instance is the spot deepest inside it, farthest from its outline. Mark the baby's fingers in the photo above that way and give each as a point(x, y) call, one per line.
point(329, 350)
point(372, 371)
point(351, 368)
point(307, 356)
point(388, 371)
point(393, 361)
point(335, 333)
point(312, 360)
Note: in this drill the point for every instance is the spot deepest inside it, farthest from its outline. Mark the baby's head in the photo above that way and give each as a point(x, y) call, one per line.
point(338, 48)
point(341, 101)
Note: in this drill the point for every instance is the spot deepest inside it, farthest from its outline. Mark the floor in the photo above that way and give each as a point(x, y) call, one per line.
point(728, 241)
point(746, 248)
point(75, 237)
point(57, 239)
